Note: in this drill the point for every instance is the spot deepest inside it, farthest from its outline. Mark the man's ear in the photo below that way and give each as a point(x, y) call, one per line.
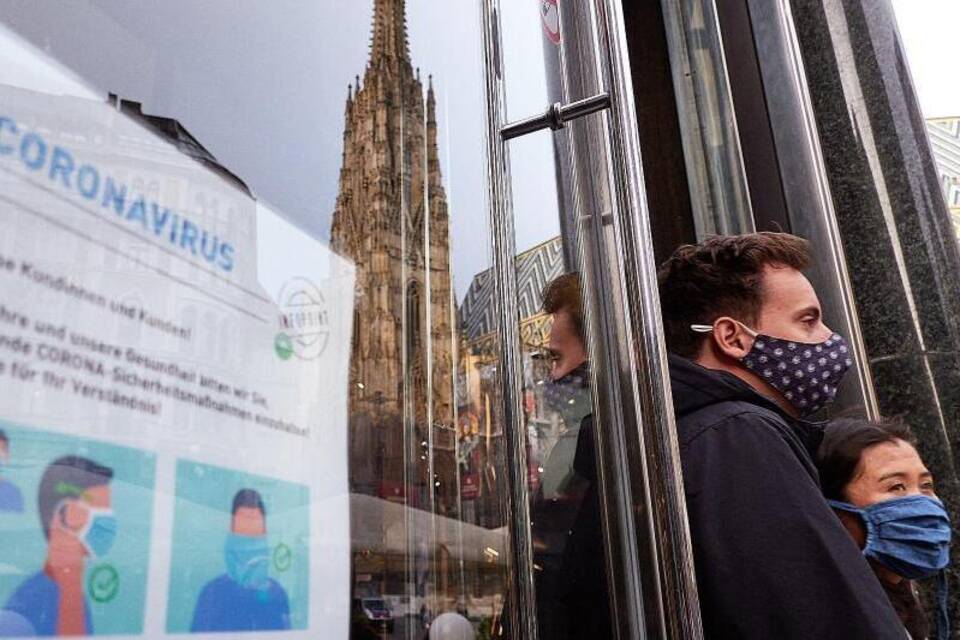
point(730, 338)
point(71, 516)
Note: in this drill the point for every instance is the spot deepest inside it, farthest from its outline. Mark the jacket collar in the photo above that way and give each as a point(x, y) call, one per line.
point(695, 387)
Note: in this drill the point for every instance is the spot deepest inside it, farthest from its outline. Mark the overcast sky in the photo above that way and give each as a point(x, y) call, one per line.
point(930, 30)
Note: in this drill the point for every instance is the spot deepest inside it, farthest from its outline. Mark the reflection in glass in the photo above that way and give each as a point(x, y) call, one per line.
point(424, 454)
point(718, 186)
point(569, 576)
point(423, 426)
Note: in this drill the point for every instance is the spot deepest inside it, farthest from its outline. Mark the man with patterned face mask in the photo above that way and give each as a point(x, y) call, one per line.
point(571, 584)
point(566, 390)
point(74, 505)
point(751, 360)
point(245, 598)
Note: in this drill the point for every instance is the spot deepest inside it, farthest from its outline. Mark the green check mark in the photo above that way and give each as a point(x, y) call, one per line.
point(104, 583)
point(283, 345)
point(282, 557)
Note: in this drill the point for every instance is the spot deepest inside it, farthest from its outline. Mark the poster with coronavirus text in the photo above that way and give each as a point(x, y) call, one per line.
point(173, 362)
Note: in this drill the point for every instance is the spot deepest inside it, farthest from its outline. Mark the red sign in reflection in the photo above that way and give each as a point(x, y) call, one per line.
point(470, 486)
point(550, 16)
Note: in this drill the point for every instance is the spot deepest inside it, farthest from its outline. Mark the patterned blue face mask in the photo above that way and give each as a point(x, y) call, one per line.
point(569, 396)
point(806, 373)
point(909, 536)
point(248, 560)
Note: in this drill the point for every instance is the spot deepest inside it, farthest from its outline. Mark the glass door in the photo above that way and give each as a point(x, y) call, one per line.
point(590, 443)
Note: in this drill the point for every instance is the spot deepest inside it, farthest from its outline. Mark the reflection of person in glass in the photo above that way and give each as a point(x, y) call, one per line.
point(567, 391)
point(10, 497)
point(74, 506)
point(571, 585)
point(245, 598)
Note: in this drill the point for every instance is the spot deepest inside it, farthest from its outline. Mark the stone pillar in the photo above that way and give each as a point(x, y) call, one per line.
point(900, 247)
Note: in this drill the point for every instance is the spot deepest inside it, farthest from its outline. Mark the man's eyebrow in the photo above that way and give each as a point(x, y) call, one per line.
point(812, 310)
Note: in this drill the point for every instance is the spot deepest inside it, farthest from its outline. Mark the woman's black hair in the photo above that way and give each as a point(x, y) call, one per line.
point(843, 445)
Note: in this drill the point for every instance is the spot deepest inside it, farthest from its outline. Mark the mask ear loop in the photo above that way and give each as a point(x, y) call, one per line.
point(869, 530)
point(61, 512)
point(708, 328)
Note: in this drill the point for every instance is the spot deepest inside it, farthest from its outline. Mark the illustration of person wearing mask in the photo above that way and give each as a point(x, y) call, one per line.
point(74, 505)
point(245, 598)
point(11, 500)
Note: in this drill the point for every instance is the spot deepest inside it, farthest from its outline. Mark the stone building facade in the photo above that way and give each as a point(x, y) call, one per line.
point(944, 134)
point(391, 220)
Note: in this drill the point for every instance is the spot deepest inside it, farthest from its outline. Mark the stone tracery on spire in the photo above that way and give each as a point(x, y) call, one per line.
point(389, 37)
point(390, 204)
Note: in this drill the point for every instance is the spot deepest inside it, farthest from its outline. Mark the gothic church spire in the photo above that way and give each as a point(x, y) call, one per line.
point(389, 39)
point(391, 221)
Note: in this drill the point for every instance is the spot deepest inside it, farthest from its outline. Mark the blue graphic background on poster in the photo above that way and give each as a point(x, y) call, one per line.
point(122, 572)
point(201, 523)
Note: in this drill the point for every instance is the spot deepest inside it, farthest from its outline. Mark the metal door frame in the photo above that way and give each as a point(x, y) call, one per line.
point(646, 530)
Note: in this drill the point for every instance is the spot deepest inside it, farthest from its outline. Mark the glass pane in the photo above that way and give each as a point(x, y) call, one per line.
point(569, 576)
point(568, 560)
point(539, 39)
point(525, 86)
point(247, 334)
point(718, 184)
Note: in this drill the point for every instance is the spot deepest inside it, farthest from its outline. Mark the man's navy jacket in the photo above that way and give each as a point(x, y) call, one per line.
point(772, 559)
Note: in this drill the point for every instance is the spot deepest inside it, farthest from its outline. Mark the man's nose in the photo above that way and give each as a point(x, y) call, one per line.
point(826, 332)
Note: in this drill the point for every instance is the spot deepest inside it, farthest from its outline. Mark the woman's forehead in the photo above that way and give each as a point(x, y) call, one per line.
point(889, 457)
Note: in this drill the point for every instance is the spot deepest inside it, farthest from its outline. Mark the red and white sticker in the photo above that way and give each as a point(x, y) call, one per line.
point(550, 16)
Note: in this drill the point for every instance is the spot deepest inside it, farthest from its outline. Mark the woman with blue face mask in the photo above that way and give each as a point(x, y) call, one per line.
point(874, 479)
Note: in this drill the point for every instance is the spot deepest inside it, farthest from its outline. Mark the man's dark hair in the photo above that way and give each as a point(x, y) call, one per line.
point(843, 445)
point(64, 478)
point(249, 498)
point(721, 276)
point(3, 437)
point(563, 294)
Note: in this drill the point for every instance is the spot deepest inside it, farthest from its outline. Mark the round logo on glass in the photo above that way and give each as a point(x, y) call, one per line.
point(304, 321)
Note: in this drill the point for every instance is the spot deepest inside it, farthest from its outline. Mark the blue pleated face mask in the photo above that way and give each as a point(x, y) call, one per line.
point(909, 536)
point(100, 532)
